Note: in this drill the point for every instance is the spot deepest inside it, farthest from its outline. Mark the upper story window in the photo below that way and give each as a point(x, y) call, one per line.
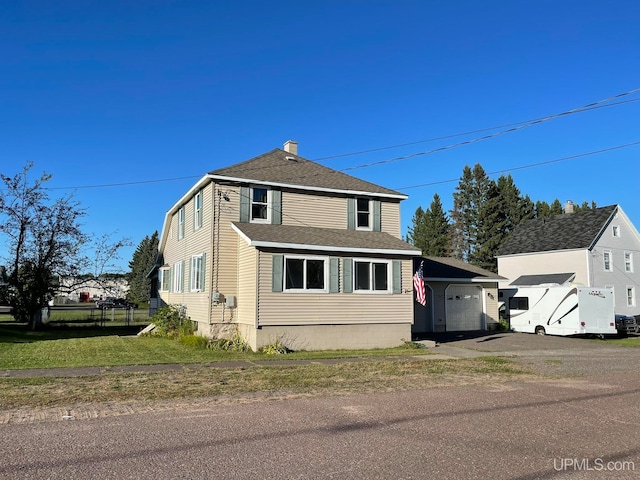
point(197, 210)
point(260, 211)
point(363, 214)
point(371, 276)
point(628, 262)
point(305, 273)
point(615, 230)
point(608, 265)
point(181, 223)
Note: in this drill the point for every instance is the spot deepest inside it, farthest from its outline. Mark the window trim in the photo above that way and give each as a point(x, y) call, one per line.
point(195, 274)
point(372, 291)
point(198, 201)
point(269, 204)
point(607, 257)
point(325, 263)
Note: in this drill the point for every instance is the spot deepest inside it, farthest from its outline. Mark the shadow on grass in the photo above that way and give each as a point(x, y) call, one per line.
point(13, 332)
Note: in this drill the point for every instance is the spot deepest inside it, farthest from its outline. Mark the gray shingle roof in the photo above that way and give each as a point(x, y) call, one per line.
point(278, 166)
point(312, 238)
point(562, 232)
point(542, 279)
point(447, 267)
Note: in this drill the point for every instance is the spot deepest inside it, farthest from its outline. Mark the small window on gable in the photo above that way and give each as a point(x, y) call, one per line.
point(615, 230)
point(181, 223)
point(260, 212)
point(363, 214)
point(606, 257)
point(197, 210)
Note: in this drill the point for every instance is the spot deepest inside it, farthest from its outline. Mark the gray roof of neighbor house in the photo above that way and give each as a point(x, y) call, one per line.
point(434, 268)
point(297, 237)
point(567, 231)
point(543, 279)
point(278, 167)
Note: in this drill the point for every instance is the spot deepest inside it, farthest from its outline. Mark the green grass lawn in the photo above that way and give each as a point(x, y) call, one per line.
point(77, 344)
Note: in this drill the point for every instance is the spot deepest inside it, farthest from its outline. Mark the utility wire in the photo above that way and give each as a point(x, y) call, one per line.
point(530, 165)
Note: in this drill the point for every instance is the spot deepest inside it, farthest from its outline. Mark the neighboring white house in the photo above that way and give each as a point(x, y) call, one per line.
point(595, 248)
point(73, 289)
point(280, 248)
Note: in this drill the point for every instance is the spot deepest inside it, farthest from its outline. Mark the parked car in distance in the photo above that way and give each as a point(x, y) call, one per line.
point(112, 302)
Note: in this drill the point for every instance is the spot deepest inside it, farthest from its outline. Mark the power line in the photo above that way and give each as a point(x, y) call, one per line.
point(530, 165)
point(470, 132)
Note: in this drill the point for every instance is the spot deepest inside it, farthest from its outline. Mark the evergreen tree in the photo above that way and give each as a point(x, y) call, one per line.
point(470, 196)
point(437, 226)
point(491, 228)
point(417, 233)
point(556, 208)
point(141, 264)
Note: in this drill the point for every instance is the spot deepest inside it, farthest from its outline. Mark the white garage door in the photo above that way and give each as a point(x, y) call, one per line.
point(464, 307)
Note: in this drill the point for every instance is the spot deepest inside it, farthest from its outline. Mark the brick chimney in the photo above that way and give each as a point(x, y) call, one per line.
point(291, 146)
point(568, 207)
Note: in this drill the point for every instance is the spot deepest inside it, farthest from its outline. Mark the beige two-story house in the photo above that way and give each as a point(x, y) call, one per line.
point(280, 248)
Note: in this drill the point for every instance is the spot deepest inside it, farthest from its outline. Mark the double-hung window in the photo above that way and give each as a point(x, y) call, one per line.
point(372, 276)
point(628, 262)
point(260, 205)
point(606, 256)
point(164, 279)
point(197, 210)
point(305, 273)
point(181, 223)
point(631, 296)
point(196, 283)
point(363, 214)
point(178, 277)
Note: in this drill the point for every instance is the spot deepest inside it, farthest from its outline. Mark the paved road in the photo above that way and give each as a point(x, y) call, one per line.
point(584, 426)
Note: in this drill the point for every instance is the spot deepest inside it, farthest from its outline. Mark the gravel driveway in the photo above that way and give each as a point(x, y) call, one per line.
point(550, 355)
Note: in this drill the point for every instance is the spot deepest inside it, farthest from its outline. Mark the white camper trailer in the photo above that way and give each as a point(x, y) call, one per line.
point(561, 310)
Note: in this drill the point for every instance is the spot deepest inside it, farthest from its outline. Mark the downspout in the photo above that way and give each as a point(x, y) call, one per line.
point(214, 255)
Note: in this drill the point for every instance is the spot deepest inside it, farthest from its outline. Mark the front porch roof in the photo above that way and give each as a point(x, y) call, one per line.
point(294, 237)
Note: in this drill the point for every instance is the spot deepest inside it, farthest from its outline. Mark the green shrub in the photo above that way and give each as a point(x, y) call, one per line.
point(413, 345)
point(276, 348)
point(171, 321)
point(233, 344)
point(196, 341)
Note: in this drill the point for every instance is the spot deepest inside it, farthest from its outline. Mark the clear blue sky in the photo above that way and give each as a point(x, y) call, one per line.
point(115, 92)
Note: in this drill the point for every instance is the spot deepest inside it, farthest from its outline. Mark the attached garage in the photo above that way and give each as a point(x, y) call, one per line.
point(459, 297)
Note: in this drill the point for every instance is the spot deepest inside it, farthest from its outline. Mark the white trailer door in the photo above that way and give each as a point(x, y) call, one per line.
point(463, 307)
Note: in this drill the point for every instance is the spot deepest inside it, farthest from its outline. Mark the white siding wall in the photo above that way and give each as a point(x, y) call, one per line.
point(550, 262)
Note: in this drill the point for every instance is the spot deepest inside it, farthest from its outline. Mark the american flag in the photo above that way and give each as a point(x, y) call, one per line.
point(418, 286)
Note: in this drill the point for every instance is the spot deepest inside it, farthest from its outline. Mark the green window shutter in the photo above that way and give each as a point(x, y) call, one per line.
point(397, 276)
point(334, 275)
point(276, 207)
point(347, 275)
point(203, 272)
point(377, 215)
point(351, 213)
point(277, 272)
point(245, 204)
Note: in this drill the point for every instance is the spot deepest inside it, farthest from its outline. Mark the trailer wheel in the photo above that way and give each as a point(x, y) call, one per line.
point(540, 330)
